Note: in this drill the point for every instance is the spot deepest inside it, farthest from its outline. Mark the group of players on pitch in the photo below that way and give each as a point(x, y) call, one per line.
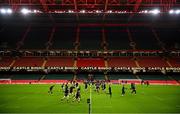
point(72, 90)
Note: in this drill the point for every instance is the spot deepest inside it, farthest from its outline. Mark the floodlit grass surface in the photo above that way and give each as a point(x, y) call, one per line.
point(35, 99)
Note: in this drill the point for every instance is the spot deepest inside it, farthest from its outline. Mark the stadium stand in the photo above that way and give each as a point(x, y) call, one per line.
point(32, 42)
point(26, 77)
point(154, 77)
point(82, 77)
point(175, 62)
point(64, 38)
point(121, 62)
point(92, 41)
point(90, 62)
point(169, 37)
point(5, 61)
point(29, 61)
point(60, 61)
point(120, 76)
point(10, 36)
point(176, 77)
point(117, 38)
point(146, 40)
point(152, 62)
point(5, 76)
point(99, 77)
point(58, 77)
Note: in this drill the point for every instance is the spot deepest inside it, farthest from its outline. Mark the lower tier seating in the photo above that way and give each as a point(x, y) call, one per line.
point(176, 77)
point(154, 77)
point(26, 77)
point(59, 77)
point(120, 76)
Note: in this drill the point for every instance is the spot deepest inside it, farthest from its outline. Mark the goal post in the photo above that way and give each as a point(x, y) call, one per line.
point(5, 81)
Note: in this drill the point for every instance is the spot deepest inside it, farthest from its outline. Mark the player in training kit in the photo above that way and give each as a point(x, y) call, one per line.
point(123, 91)
point(110, 92)
point(78, 95)
point(71, 89)
point(51, 89)
point(86, 85)
point(66, 93)
point(133, 88)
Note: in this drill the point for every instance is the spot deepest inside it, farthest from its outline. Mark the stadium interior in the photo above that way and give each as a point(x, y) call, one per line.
point(119, 46)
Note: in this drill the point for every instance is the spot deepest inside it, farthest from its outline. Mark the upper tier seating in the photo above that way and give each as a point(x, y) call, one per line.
point(90, 38)
point(29, 61)
point(170, 37)
point(11, 35)
point(90, 62)
point(64, 38)
point(60, 61)
point(144, 38)
point(37, 38)
point(117, 38)
point(121, 62)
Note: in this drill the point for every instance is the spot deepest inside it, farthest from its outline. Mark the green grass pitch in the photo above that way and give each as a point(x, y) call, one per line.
point(34, 98)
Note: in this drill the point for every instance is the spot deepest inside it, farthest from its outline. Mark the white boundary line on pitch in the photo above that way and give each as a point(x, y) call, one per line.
point(90, 99)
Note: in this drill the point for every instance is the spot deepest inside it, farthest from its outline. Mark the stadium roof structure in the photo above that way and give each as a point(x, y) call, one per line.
point(124, 5)
point(130, 9)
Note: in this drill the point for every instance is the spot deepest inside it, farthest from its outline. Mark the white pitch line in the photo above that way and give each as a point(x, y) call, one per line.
point(90, 99)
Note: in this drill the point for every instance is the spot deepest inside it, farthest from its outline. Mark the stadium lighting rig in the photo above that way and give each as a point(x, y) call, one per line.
point(174, 11)
point(6, 11)
point(26, 11)
point(155, 11)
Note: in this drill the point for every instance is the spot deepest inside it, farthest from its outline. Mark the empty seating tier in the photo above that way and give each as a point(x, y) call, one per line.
point(90, 62)
point(37, 38)
point(60, 62)
point(10, 36)
point(5, 62)
point(90, 38)
point(144, 38)
point(152, 62)
point(63, 38)
point(175, 62)
point(26, 77)
point(59, 77)
point(120, 76)
point(29, 61)
point(117, 38)
point(154, 77)
point(121, 62)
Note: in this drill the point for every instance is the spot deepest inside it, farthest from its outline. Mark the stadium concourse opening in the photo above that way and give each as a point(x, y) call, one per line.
point(89, 56)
